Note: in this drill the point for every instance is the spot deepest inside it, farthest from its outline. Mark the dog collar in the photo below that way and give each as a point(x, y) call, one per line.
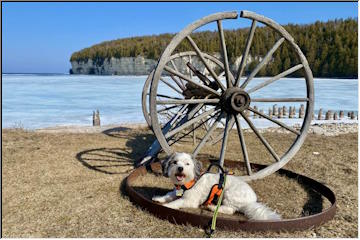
point(180, 189)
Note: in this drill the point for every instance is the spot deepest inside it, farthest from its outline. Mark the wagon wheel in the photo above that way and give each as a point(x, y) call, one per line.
point(176, 85)
point(230, 100)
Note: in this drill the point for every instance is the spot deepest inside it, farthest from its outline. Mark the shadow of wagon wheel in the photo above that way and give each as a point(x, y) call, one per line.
point(106, 160)
point(137, 142)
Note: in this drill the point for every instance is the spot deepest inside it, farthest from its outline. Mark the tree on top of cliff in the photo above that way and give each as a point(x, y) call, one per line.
point(330, 47)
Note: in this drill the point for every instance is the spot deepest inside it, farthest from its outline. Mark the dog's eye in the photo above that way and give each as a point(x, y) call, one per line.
point(174, 162)
point(188, 164)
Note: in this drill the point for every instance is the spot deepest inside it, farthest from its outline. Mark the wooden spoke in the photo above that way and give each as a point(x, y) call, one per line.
point(201, 56)
point(225, 139)
point(275, 121)
point(243, 145)
point(208, 134)
point(187, 101)
point(186, 78)
point(245, 54)
point(178, 83)
point(166, 96)
point(265, 60)
point(275, 78)
point(175, 118)
point(171, 86)
point(166, 109)
point(262, 139)
point(190, 122)
point(224, 53)
point(186, 134)
point(279, 99)
point(176, 69)
point(221, 135)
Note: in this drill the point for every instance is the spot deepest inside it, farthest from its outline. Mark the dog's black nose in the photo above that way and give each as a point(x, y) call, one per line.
point(180, 169)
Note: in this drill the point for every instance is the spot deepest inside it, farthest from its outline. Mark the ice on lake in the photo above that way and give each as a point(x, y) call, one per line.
point(38, 101)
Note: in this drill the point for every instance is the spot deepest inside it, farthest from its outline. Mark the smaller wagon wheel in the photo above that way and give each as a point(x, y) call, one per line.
point(230, 100)
point(176, 84)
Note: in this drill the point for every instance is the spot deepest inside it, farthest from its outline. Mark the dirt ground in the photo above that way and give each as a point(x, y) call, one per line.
point(71, 184)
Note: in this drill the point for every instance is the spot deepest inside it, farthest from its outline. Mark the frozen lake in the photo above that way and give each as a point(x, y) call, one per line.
point(37, 101)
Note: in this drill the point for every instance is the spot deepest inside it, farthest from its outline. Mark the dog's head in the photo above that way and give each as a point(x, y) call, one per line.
point(181, 168)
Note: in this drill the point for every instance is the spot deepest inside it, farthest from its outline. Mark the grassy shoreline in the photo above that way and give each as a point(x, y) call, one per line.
point(66, 184)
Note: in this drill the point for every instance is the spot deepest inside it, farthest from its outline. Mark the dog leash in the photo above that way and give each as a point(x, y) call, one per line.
point(213, 221)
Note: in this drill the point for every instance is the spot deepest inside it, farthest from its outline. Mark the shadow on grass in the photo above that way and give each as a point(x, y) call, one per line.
point(106, 160)
point(315, 200)
point(117, 160)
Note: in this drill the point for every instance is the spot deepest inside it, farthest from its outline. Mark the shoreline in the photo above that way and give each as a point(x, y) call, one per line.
point(330, 128)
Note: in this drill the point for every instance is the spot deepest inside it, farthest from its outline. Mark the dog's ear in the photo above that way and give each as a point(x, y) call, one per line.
point(197, 168)
point(165, 164)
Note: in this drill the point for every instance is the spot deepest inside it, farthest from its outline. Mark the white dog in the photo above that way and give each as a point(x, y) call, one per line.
point(182, 169)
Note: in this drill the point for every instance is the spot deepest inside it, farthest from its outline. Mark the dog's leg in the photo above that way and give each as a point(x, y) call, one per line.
point(222, 209)
point(170, 196)
point(178, 203)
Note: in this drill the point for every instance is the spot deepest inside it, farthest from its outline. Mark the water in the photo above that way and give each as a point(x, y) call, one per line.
point(37, 101)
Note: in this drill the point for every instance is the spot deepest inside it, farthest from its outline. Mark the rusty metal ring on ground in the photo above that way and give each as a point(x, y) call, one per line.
point(182, 217)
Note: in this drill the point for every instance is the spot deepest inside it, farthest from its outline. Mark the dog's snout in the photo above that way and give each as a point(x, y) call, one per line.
point(180, 169)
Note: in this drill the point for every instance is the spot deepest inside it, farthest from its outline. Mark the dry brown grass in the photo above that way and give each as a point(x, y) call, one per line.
point(69, 185)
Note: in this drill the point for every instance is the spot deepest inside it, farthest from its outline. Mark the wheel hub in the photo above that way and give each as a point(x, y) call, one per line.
point(235, 100)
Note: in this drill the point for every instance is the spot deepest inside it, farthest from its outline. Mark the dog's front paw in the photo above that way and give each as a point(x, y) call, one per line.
point(159, 199)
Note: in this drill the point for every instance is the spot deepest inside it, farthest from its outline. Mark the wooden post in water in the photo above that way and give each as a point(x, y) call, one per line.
point(349, 114)
point(275, 113)
point(96, 118)
point(335, 116)
point(290, 112)
point(328, 115)
point(270, 113)
point(341, 114)
point(302, 111)
point(352, 115)
point(294, 112)
point(284, 112)
point(280, 113)
point(320, 114)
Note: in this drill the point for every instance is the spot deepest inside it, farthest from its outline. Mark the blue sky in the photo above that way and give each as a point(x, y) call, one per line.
point(40, 37)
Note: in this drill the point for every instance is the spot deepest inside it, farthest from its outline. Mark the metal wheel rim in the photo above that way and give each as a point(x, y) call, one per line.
point(286, 36)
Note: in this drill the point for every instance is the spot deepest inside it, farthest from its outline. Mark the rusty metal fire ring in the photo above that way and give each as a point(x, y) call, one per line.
point(182, 217)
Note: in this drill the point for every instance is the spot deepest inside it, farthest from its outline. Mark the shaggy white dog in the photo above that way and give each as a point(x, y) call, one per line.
point(181, 168)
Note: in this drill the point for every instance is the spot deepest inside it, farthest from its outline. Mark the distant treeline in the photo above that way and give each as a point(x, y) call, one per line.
point(330, 47)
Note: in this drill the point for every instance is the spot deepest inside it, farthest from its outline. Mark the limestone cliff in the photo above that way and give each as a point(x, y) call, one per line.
point(138, 65)
point(114, 66)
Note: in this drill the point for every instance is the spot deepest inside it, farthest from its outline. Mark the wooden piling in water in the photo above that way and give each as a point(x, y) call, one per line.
point(335, 116)
point(284, 112)
point(280, 113)
point(96, 118)
point(320, 114)
point(352, 115)
point(275, 113)
point(341, 114)
point(302, 111)
point(290, 112)
point(270, 113)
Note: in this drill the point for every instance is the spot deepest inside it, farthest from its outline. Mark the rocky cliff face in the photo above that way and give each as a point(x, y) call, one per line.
point(138, 65)
point(115, 66)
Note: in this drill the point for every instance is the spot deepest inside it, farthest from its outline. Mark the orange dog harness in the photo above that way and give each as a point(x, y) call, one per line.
point(215, 191)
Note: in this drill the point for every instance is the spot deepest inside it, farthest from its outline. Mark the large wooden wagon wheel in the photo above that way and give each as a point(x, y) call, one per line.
point(175, 87)
point(230, 98)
